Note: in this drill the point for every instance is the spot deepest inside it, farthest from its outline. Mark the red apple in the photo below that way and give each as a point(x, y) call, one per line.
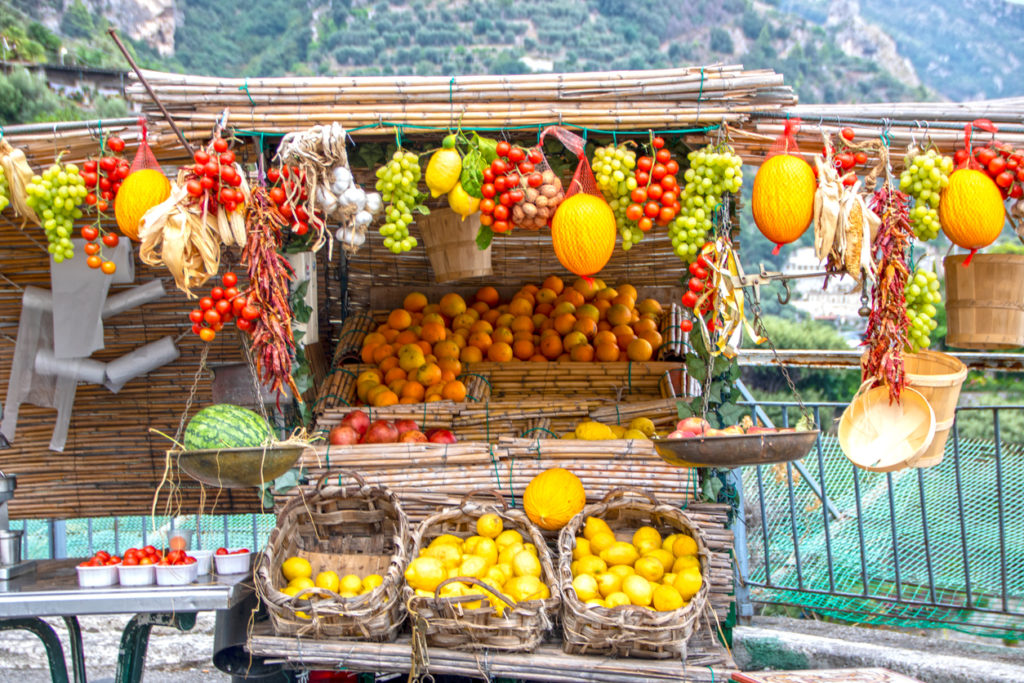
point(343, 435)
point(404, 426)
point(696, 425)
point(758, 429)
point(731, 430)
point(413, 436)
point(441, 436)
point(678, 435)
point(381, 431)
point(357, 420)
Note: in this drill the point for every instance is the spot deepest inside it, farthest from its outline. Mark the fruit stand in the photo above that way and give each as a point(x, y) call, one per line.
point(472, 341)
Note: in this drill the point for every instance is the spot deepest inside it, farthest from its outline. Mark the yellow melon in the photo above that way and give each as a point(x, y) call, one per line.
point(554, 497)
point(139, 193)
point(583, 233)
point(783, 198)
point(971, 210)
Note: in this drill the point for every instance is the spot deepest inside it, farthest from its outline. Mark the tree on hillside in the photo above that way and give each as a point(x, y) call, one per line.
point(721, 41)
point(77, 21)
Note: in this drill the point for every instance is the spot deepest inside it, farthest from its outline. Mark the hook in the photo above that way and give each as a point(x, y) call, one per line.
point(913, 137)
point(783, 300)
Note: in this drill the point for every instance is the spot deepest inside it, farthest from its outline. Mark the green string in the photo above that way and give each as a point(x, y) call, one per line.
point(629, 376)
point(700, 93)
point(99, 131)
point(498, 129)
point(245, 87)
point(451, 86)
point(327, 456)
point(540, 429)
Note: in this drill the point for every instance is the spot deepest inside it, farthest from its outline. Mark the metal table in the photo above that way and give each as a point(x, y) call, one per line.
point(53, 591)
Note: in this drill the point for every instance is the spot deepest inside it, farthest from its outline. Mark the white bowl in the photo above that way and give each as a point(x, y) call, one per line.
point(233, 564)
point(97, 577)
point(176, 574)
point(135, 575)
point(178, 539)
point(204, 560)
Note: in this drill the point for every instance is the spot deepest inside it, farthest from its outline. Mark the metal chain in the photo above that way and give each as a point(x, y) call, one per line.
point(192, 393)
point(255, 379)
point(755, 307)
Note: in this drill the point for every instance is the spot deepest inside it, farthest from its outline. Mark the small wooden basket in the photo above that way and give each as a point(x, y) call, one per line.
point(450, 243)
point(629, 631)
point(352, 529)
point(449, 623)
point(985, 301)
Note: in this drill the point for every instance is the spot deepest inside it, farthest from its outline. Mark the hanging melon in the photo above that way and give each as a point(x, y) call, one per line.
point(140, 192)
point(583, 234)
point(971, 210)
point(554, 497)
point(783, 199)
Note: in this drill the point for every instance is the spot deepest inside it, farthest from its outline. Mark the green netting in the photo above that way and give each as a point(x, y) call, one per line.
point(892, 561)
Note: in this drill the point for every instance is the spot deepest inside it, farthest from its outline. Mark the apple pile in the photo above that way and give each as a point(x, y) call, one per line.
point(356, 428)
point(697, 426)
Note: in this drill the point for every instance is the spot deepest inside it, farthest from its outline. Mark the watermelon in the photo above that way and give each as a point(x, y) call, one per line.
point(226, 426)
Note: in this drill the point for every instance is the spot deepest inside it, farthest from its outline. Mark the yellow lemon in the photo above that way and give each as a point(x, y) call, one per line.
point(489, 525)
point(599, 542)
point(509, 551)
point(586, 587)
point(372, 581)
point(617, 599)
point(351, 583)
point(596, 603)
point(620, 552)
point(685, 562)
point(650, 568)
point(424, 594)
point(582, 548)
point(495, 576)
point(349, 594)
point(424, 573)
point(684, 545)
point(688, 582)
point(446, 539)
point(593, 431)
point(618, 431)
point(461, 202)
point(530, 548)
point(668, 542)
point(622, 570)
point(455, 589)
point(469, 546)
point(638, 589)
point(667, 598)
point(473, 565)
point(526, 563)
point(591, 564)
point(453, 573)
point(574, 567)
point(296, 568)
point(646, 538)
point(521, 588)
point(507, 538)
point(634, 434)
point(327, 580)
point(669, 579)
point(663, 556)
point(449, 555)
point(301, 583)
point(608, 583)
point(443, 170)
point(594, 526)
point(642, 425)
point(506, 569)
point(292, 591)
point(487, 550)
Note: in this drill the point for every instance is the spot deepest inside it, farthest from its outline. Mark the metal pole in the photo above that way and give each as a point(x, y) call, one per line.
point(744, 607)
point(58, 539)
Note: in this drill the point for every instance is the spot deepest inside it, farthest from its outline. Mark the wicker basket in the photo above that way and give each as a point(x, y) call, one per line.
point(450, 243)
point(448, 623)
point(351, 529)
point(629, 631)
point(938, 377)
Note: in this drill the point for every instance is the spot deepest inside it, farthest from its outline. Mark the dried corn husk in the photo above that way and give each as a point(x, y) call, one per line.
point(843, 224)
point(826, 208)
point(19, 175)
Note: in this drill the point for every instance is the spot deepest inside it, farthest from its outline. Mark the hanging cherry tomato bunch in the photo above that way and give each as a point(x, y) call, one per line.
point(701, 281)
point(845, 158)
point(93, 250)
point(282, 178)
point(214, 180)
point(103, 176)
point(224, 304)
point(1002, 163)
point(504, 179)
point(655, 201)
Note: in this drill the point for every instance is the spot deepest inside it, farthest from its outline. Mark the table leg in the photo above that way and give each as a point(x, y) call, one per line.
point(135, 641)
point(75, 642)
point(54, 652)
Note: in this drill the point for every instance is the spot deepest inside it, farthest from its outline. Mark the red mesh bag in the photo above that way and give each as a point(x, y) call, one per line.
point(965, 158)
point(144, 157)
point(786, 142)
point(583, 179)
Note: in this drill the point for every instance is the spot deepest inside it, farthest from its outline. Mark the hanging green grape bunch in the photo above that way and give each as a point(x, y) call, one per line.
point(922, 296)
point(925, 177)
point(613, 169)
point(396, 182)
point(5, 190)
point(713, 171)
point(55, 196)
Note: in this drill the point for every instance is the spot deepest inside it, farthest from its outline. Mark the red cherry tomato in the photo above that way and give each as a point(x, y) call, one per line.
point(516, 154)
point(89, 233)
point(108, 164)
point(90, 165)
point(847, 134)
point(526, 168)
point(505, 199)
point(91, 248)
point(250, 312)
point(488, 175)
point(635, 212)
point(960, 157)
point(501, 226)
point(243, 324)
point(487, 206)
point(300, 228)
point(658, 143)
point(207, 182)
point(686, 325)
point(996, 166)
point(227, 158)
point(195, 315)
point(642, 178)
point(516, 196)
point(201, 157)
point(223, 307)
point(220, 145)
point(672, 167)
point(1016, 192)
point(194, 188)
point(512, 180)
point(206, 303)
point(1004, 179)
point(488, 190)
point(501, 212)
point(212, 317)
point(696, 285)
point(217, 293)
point(644, 224)
point(639, 195)
point(651, 209)
point(663, 156)
point(654, 192)
point(499, 184)
point(535, 156)
point(502, 148)
point(111, 239)
point(985, 155)
point(666, 214)
point(861, 158)
point(535, 180)
point(644, 164)
point(499, 167)
point(690, 299)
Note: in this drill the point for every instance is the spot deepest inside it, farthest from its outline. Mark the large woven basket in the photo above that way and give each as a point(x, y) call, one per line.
point(449, 623)
point(350, 529)
point(629, 631)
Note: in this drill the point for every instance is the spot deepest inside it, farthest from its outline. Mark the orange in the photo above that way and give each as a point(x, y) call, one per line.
point(387, 364)
point(394, 373)
point(491, 316)
point(373, 392)
point(452, 305)
point(554, 283)
point(447, 376)
point(389, 333)
point(587, 326)
point(602, 306)
point(623, 340)
point(618, 314)
point(396, 386)
point(433, 333)
point(531, 288)
point(451, 365)
point(504, 320)
point(488, 295)
point(551, 346)
point(604, 326)
point(463, 321)
point(385, 398)
point(607, 352)
point(363, 390)
point(415, 301)
point(414, 390)
point(573, 339)
point(374, 338)
point(434, 393)
point(406, 337)
point(644, 325)
point(382, 352)
point(543, 309)
point(524, 293)
point(499, 352)
point(538, 319)
point(521, 305)
point(430, 358)
point(471, 354)
point(574, 297)
point(606, 294)
point(409, 399)
point(367, 353)
point(503, 334)
point(460, 337)
point(546, 296)
point(432, 318)
point(431, 398)
point(628, 290)
point(563, 307)
point(604, 337)
point(653, 338)
point(446, 349)
point(399, 319)
point(538, 358)
point(454, 391)
point(625, 300)
point(623, 356)
point(481, 326)
point(639, 349)
point(480, 307)
point(428, 375)
point(587, 287)
point(432, 308)
point(564, 323)
point(548, 324)
point(588, 311)
point(649, 307)
point(523, 323)
point(582, 353)
point(426, 347)
point(522, 349)
point(480, 340)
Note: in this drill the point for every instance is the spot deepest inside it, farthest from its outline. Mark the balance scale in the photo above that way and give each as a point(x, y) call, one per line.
point(11, 564)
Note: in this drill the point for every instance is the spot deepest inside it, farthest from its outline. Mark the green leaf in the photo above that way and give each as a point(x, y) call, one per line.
point(472, 174)
point(422, 209)
point(299, 293)
point(696, 368)
point(297, 335)
point(266, 497)
point(715, 395)
point(287, 481)
point(684, 409)
point(712, 487)
point(488, 147)
point(483, 237)
point(722, 365)
point(731, 413)
point(734, 372)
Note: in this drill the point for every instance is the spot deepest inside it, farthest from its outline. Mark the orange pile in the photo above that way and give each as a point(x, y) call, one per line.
point(421, 349)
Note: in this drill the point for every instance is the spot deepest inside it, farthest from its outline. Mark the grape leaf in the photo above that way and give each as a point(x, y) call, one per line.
point(484, 237)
